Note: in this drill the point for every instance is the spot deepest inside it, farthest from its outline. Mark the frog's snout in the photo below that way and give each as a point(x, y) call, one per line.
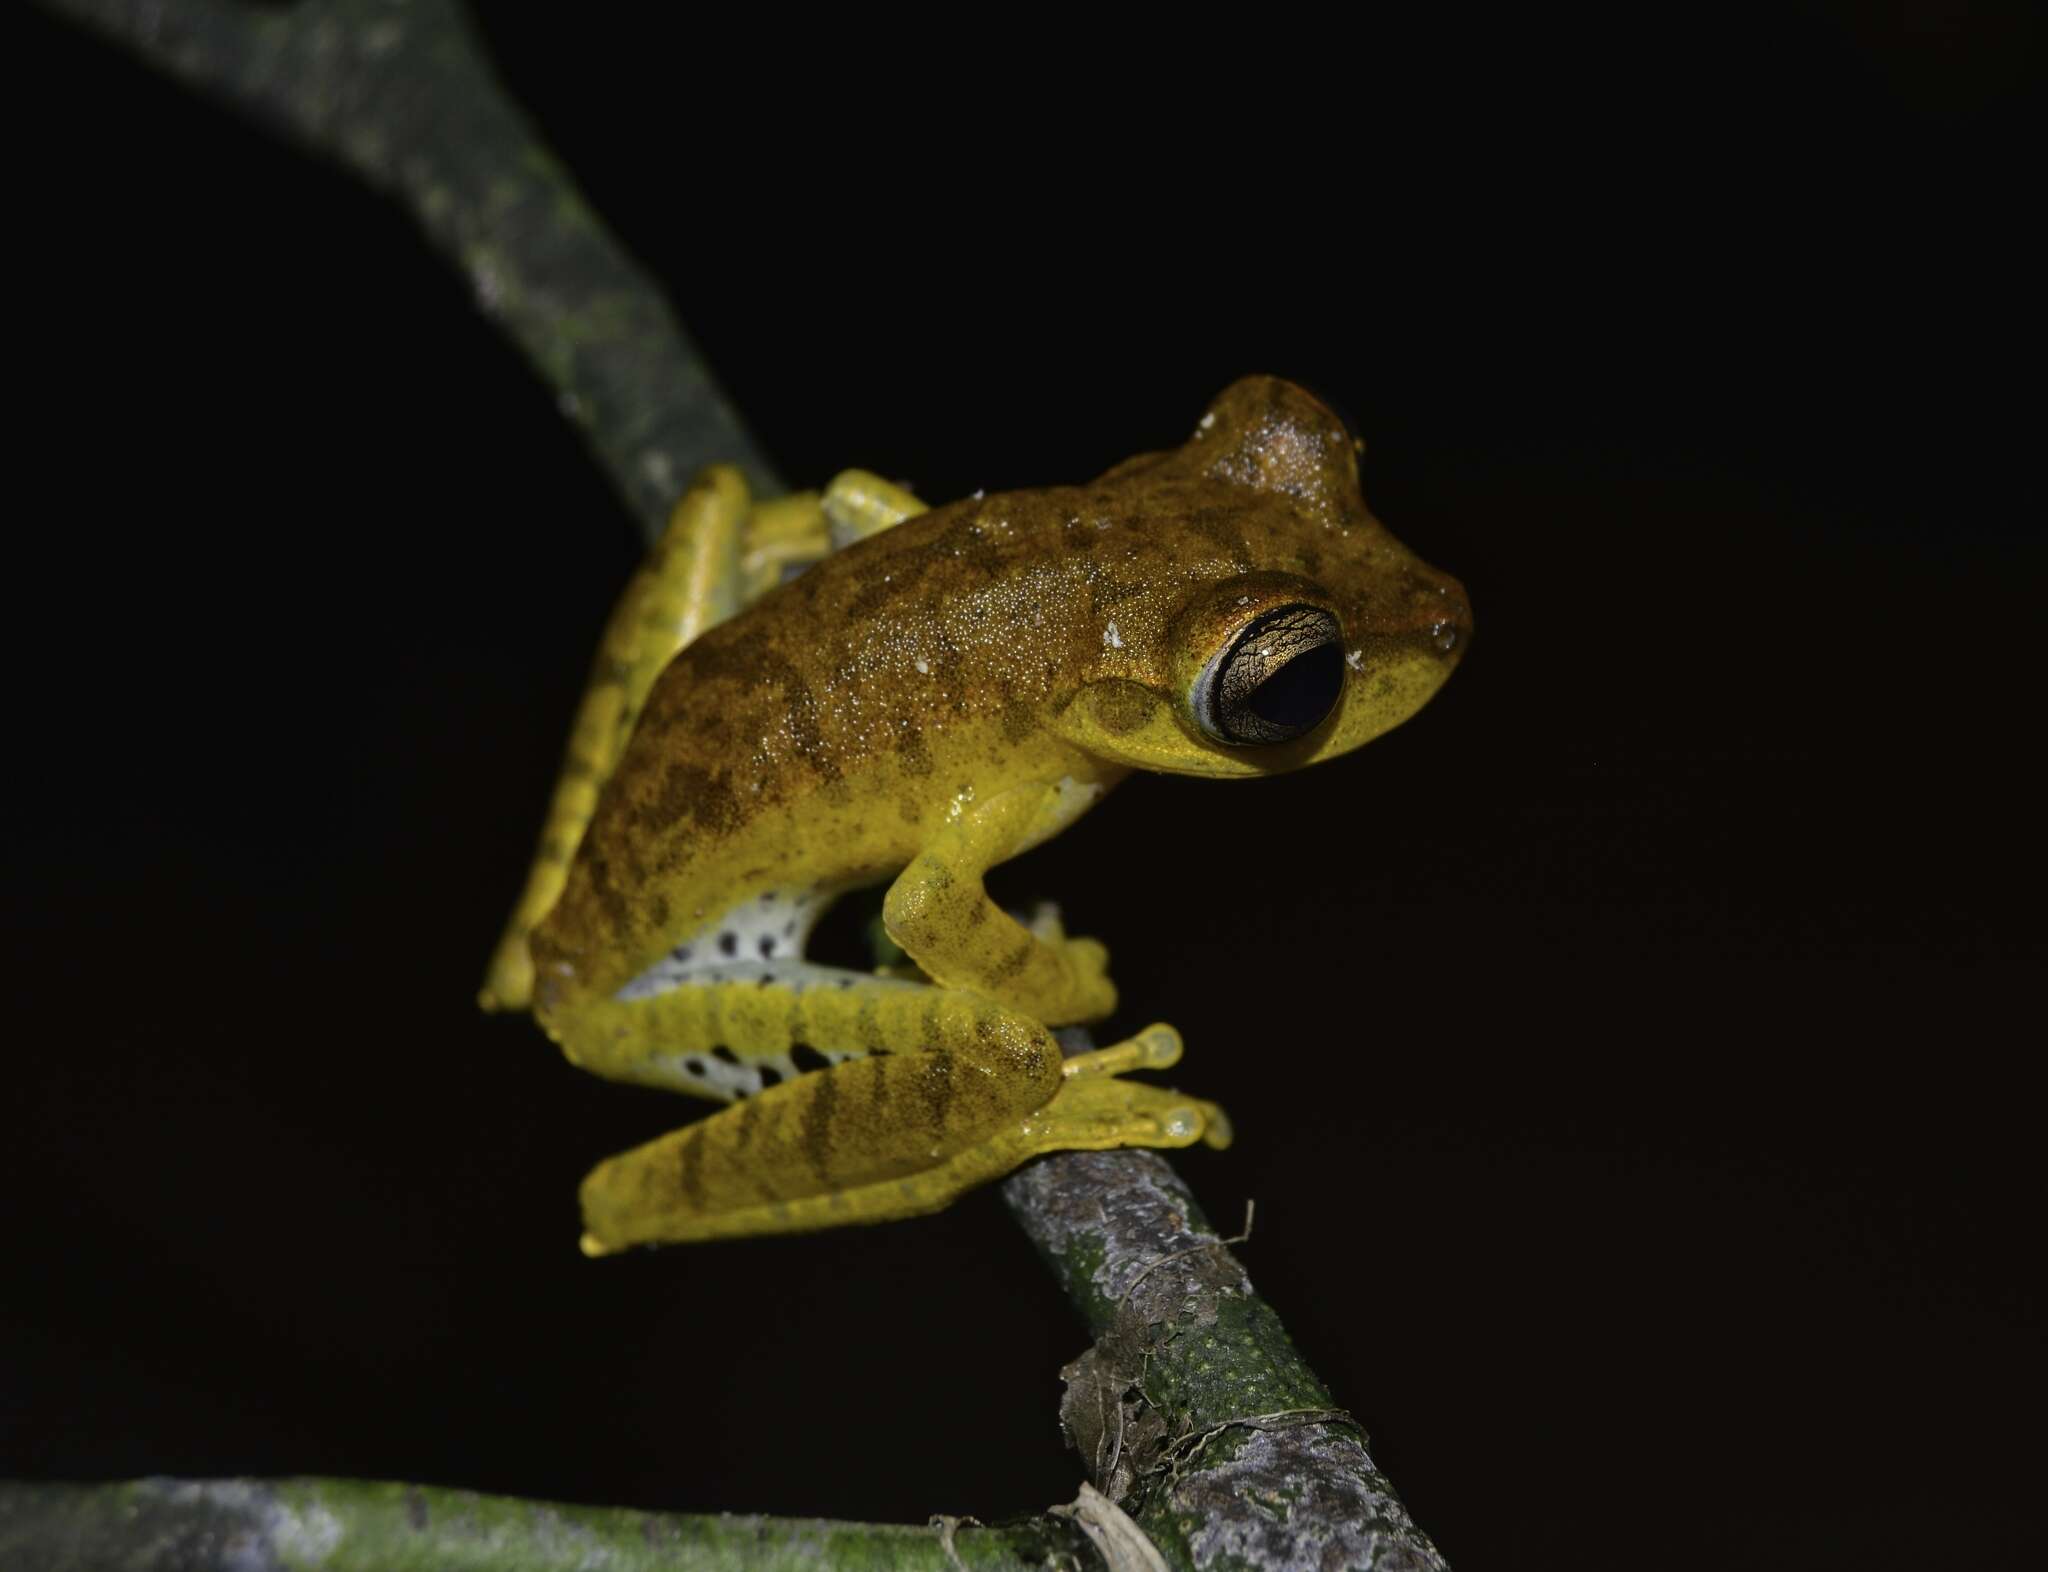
point(1443, 617)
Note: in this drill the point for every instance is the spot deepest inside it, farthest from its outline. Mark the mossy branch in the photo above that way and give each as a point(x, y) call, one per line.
point(1192, 1410)
point(347, 1525)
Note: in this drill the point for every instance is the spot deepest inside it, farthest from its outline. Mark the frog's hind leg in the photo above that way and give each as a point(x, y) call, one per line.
point(690, 581)
point(694, 1184)
point(720, 553)
point(1095, 1114)
point(912, 1075)
point(681, 1187)
point(787, 535)
point(857, 1099)
point(858, 504)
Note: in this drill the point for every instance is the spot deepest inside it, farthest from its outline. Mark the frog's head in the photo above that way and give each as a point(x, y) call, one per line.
point(1278, 622)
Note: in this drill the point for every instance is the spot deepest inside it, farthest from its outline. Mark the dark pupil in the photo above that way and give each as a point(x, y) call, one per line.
point(1301, 692)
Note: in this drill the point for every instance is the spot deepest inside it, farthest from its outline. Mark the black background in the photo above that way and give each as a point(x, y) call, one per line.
point(1630, 1056)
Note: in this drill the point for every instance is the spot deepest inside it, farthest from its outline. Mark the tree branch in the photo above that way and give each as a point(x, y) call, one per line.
point(346, 1525)
point(1192, 1409)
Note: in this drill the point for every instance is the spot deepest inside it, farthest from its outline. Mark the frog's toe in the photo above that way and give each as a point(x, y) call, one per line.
point(1157, 1047)
point(1096, 1112)
point(1044, 923)
point(1092, 994)
point(1086, 960)
point(1189, 1120)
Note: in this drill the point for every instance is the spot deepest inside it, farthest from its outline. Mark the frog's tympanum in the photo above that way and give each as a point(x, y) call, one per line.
point(936, 692)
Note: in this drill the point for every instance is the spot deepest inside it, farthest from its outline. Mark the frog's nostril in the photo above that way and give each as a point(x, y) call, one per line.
point(1449, 618)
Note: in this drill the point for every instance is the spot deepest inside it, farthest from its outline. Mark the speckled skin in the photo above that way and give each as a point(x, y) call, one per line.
point(922, 705)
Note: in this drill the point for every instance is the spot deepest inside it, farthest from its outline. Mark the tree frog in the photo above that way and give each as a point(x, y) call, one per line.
point(935, 691)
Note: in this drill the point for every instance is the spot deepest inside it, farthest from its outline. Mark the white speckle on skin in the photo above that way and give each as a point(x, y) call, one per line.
point(1208, 421)
point(703, 1072)
point(1351, 659)
point(924, 667)
point(781, 920)
point(979, 494)
point(1112, 638)
point(736, 1073)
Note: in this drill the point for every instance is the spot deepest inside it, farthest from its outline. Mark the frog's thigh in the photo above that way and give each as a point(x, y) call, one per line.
point(940, 912)
point(729, 1028)
point(690, 581)
point(1095, 1113)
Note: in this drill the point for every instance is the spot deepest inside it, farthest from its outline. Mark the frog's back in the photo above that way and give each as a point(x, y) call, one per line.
point(816, 741)
point(811, 744)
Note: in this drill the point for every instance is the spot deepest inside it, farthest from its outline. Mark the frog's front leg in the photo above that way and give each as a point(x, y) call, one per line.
point(939, 911)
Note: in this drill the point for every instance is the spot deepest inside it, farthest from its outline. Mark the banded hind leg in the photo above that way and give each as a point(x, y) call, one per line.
point(690, 581)
point(922, 1093)
point(720, 552)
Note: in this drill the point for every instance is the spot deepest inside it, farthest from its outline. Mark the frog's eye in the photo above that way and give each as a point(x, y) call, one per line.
point(1277, 679)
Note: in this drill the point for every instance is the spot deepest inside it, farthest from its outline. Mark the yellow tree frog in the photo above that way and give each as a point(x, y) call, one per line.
point(937, 691)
